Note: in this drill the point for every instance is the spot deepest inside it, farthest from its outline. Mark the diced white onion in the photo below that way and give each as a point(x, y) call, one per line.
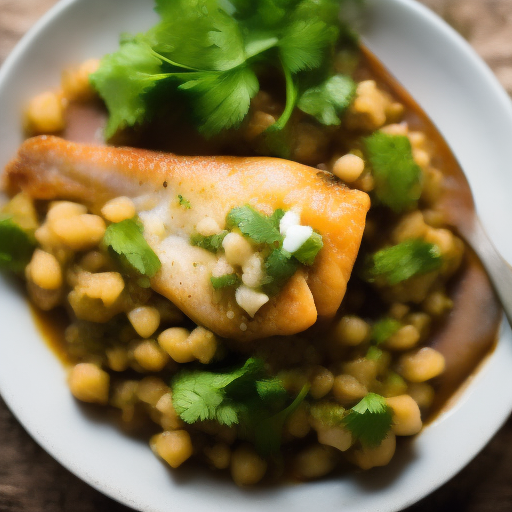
point(249, 300)
point(295, 237)
point(289, 219)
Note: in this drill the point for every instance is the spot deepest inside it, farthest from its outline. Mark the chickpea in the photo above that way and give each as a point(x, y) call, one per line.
point(175, 342)
point(219, 455)
point(348, 168)
point(337, 437)
point(151, 389)
point(238, 250)
point(149, 355)
point(174, 447)
point(45, 113)
point(348, 390)
point(80, 232)
point(208, 226)
point(352, 331)
point(404, 339)
point(422, 393)
point(421, 365)
point(203, 344)
point(314, 461)
point(145, 320)
point(118, 209)
point(406, 415)
point(247, 467)
point(322, 381)
point(44, 270)
point(369, 457)
point(89, 383)
point(75, 81)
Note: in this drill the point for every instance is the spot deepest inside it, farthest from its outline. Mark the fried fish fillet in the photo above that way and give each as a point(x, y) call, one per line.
point(51, 168)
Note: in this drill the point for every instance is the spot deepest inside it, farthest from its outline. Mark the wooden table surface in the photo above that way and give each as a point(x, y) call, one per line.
point(31, 481)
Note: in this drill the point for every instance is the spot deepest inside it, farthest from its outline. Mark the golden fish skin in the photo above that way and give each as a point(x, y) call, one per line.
point(48, 167)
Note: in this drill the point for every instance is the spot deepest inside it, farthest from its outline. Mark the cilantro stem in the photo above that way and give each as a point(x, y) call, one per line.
point(169, 61)
point(291, 100)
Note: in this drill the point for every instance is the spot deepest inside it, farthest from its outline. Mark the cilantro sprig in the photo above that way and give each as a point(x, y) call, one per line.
point(208, 54)
point(370, 420)
point(243, 395)
point(400, 262)
point(398, 179)
point(16, 246)
point(125, 240)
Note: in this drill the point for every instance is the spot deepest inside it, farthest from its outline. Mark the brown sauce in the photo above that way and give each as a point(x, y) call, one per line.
point(470, 331)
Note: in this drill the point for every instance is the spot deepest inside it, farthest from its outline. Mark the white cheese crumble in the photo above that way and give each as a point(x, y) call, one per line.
point(253, 271)
point(237, 249)
point(207, 227)
point(295, 237)
point(290, 218)
point(250, 300)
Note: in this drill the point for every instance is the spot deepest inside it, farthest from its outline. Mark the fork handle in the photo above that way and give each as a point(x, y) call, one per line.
point(499, 271)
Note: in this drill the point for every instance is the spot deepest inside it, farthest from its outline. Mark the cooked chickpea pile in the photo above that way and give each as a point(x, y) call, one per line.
point(127, 341)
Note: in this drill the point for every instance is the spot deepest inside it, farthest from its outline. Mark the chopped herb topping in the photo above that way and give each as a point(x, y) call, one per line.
point(279, 267)
point(307, 252)
point(403, 261)
point(242, 395)
point(328, 100)
point(383, 329)
point(254, 225)
point(370, 420)
point(396, 174)
point(184, 202)
point(211, 243)
point(205, 54)
point(225, 281)
point(16, 246)
point(125, 239)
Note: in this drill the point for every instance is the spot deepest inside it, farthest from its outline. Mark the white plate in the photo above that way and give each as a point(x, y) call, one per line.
point(474, 114)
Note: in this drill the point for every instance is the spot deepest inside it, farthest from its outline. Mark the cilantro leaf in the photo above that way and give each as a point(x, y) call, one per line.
point(370, 420)
point(328, 100)
point(279, 267)
point(268, 431)
point(197, 34)
point(126, 240)
point(221, 100)
point(209, 50)
point(397, 176)
point(198, 395)
point(254, 225)
point(16, 246)
point(123, 79)
point(225, 281)
point(241, 395)
point(383, 329)
point(184, 202)
point(211, 243)
point(307, 252)
point(403, 261)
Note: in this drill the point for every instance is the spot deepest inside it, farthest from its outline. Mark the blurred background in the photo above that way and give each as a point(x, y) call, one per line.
point(31, 481)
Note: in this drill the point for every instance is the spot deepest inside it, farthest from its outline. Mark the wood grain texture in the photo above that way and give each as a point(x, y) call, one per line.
point(31, 481)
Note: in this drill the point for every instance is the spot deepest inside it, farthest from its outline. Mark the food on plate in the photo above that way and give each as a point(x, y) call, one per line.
point(233, 236)
point(254, 311)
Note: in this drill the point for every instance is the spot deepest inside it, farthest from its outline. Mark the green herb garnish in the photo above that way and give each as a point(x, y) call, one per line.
point(370, 420)
point(205, 53)
point(211, 243)
point(254, 225)
point(184, 202)
point(225, 281)
point(396, 174)
point(307, 252)
point(126, 240)
point(16, 246)
point(383, 329)
point(279, 267)
point(403, 261)
point(328, 100)
point(242, 395)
